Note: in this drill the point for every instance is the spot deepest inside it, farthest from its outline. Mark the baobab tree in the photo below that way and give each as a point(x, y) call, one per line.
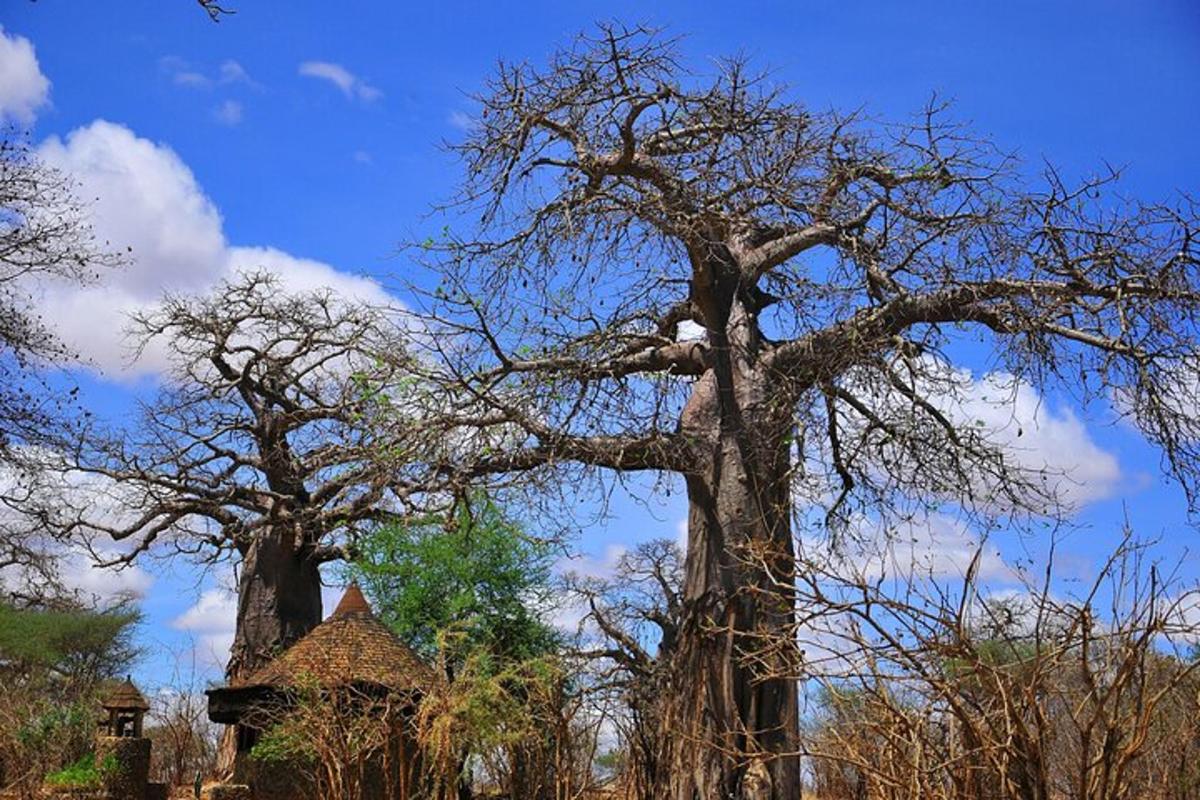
point(261, 446)
point(698, 276)
point(623, 613)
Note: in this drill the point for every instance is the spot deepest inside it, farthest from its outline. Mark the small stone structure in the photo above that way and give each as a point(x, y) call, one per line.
point(351, 649)
point(131, 771)
point(121, 752)
point(121, 744)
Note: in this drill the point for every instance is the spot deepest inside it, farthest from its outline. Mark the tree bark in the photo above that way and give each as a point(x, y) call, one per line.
point(279, 600)
point(732, 730)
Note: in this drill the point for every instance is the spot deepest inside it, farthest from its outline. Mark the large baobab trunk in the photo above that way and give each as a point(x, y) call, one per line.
point(732, 730)
point(279, 600)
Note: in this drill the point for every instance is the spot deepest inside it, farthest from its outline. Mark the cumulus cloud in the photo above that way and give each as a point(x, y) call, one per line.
point(147, 199)
point(23, 87)
point(212, 620)
point(1039, 437)
point(346, 81)
point(78, 574)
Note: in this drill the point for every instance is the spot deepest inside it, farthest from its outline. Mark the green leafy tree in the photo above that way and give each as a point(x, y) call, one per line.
point(53, 664)
point(71, 649)
point(469, 590)
point(473, 578)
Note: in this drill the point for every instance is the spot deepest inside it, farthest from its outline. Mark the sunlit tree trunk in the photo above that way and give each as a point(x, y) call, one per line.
point(733, 729)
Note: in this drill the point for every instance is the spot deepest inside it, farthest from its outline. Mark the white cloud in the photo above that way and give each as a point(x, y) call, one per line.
point(147, 199)
point(591, 566)
point(233, 72)
point(213, 621)
point(80, 572)
point(1038, 437)
point(1047, 442)
point(462, 121)
point(229, 73)
point(192, 79)
point(936, 546)
point(567, 613)
point(23, 87)
point(362, 157)
point(215, 611)
point(350, 84)
point(228, 113)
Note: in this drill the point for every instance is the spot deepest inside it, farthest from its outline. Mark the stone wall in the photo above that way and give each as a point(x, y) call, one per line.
point(132, 756)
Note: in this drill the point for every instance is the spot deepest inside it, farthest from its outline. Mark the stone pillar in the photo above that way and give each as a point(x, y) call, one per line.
point(125, 766)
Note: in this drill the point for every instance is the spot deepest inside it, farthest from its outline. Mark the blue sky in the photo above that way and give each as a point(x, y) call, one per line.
point(313, 129)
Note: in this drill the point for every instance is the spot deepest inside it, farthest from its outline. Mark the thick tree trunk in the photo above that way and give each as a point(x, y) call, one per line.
point(732, 730)
point(279, 600)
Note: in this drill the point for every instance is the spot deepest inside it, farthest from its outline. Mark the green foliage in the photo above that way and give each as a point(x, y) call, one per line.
point(283, 743)
point(612, 761)
point(51, 724)
point(476, 576)
point(76, 644)
point(53, 662)
point(84, 773)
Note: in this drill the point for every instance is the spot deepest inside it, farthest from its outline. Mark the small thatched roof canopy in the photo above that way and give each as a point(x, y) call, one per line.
point(124, 697)
point(351, 647)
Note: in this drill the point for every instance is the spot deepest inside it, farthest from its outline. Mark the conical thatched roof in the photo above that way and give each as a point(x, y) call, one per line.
point(124, 697)
point(352, 646)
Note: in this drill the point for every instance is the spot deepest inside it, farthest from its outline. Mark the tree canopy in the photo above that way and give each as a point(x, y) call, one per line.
point(473, 574)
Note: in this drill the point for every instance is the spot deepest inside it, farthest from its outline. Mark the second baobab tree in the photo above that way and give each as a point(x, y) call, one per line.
point(262, 446)
point(698, 276)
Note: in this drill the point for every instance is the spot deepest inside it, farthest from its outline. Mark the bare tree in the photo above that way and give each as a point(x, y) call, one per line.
point(45, 236)
point(184, 740)
point(630, 627)
point(343, 743)
point(827, 263)
point(262, 446)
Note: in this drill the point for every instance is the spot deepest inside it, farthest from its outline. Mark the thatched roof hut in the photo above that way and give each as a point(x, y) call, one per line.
point(352, 649)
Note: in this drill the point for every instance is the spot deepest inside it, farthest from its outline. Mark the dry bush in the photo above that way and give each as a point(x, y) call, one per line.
point(518, 730)
point(346, 743)
point(968, 696)
point(183, 739)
